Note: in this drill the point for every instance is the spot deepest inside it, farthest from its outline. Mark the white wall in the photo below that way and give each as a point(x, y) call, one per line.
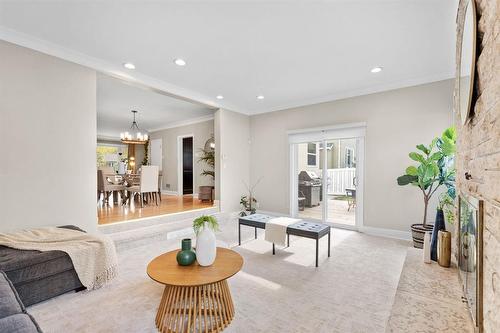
point(202, 132)
point(396, 121)
point(233, 160)
point(48, 135)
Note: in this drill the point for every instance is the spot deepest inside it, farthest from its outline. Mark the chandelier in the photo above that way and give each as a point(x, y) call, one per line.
point(136, 137)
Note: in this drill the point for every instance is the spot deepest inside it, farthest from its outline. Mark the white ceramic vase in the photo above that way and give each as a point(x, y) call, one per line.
point(206, 246)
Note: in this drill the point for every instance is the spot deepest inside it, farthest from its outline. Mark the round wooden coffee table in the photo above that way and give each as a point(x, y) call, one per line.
point(196, 298)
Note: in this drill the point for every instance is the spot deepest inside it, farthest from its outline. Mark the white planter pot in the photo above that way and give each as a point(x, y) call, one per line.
point(206, 246)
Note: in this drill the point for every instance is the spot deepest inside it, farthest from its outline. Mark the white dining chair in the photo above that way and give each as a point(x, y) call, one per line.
point(148, 184)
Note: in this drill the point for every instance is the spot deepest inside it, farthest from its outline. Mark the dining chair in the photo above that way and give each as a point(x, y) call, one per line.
point(160, 177)
point(105, 186)
point(148, 184)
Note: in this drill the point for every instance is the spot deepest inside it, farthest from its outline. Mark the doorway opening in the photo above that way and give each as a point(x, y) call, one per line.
point(326, 172)
point(187, 166)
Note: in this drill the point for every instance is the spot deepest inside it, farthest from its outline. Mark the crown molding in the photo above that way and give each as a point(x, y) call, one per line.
point(182, 123)
point(160, 86)
point(407, 83)
point(117, 71)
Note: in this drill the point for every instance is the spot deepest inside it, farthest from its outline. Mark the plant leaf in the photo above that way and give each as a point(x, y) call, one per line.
point(417, 157)
point(406, 179)
point(450, 133)
point(412, 171)
point(423, 148)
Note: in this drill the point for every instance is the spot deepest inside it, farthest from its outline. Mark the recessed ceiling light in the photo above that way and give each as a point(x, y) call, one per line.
point(376, 70)
point(219, 97)
point(179, 62)
point(260, 97)
point(129, 65)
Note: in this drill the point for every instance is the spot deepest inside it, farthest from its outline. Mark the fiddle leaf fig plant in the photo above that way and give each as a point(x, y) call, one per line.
point(434, 168)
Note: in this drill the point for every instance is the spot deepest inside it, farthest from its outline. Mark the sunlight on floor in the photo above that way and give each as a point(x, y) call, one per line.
point(258, 280)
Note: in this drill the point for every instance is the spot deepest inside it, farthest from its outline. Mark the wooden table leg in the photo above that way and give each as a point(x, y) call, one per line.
point(207, 308)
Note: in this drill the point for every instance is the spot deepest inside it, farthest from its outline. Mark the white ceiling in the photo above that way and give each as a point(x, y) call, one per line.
point(116, 99)
point(292, 52)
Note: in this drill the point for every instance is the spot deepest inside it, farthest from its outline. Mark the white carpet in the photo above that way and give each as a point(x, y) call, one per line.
point(352, 291)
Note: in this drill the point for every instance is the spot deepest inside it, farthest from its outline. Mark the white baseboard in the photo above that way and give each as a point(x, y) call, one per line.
point(195, 195)
point(169, 192)
point(266, 212)
point(389, 233)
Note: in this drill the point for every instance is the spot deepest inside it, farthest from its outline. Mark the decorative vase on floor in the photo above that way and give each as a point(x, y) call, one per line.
point(186, 256)
point(444, 248)
point(205, 246)
point(427, 248)
point(438, 225)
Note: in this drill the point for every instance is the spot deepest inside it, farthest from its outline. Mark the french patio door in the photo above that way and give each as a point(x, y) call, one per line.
point(326, 175)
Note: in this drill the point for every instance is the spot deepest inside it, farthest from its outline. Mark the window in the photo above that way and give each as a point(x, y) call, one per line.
point(312, 155)
point(349, 158)
point(110, 155)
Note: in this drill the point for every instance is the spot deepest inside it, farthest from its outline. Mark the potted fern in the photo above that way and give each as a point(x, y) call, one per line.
point(204, 227)
point(429, 175)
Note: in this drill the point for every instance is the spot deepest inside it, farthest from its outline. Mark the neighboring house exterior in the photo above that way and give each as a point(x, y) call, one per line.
point(339, 153)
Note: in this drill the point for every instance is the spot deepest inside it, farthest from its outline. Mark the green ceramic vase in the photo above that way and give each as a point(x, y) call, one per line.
point(186, 256)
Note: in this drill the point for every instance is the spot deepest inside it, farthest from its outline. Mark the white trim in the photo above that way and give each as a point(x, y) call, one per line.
point(380, 232)
point(343, 131)
point(327, 128)
point(360, 187)
point(400, 84)
point(180, 162)
point(388, 233)
point(294, 188)
point(183, 123)
point(109, 138)
point(114, 70)
point(112, 144)
point(169, 192)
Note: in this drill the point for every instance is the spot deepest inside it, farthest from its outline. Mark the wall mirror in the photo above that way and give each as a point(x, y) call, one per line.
point(470, 254)
point(467, 61)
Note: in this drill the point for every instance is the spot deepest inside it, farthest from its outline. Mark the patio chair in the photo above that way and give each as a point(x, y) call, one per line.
point(351, 198)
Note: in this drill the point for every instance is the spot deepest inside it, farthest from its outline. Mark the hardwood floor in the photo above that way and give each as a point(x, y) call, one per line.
point(112, 212)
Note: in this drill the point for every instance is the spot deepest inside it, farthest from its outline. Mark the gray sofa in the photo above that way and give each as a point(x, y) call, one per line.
point(38, 276)
point(13, 315)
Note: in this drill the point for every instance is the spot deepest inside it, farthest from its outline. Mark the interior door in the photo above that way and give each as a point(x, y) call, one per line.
point(187, 165)
point(156, 154)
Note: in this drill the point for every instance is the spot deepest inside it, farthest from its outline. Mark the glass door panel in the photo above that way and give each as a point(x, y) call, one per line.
point(309, 181)
point(341, 158)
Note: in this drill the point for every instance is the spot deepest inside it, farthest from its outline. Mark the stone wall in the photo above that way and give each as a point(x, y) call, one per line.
point(479, 148)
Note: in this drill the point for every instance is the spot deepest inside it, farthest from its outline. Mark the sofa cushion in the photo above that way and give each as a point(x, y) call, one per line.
point(19, 323)
point(9, 300)
point(40, 290)
point(24, 266)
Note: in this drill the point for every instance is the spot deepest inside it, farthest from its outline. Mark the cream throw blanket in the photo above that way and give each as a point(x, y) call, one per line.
point(276, 229)
point(94, 257)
